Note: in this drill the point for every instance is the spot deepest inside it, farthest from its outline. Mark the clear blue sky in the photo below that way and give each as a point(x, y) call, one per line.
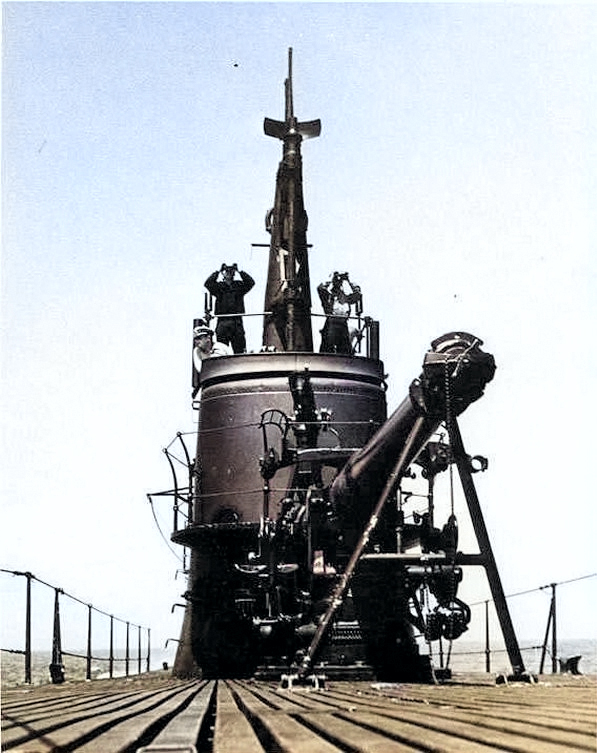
point(455, 178)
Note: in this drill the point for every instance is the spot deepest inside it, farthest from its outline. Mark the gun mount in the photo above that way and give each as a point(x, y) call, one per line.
point(304, 552)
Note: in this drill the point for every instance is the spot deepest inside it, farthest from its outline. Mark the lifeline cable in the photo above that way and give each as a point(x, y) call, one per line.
point(160, 530)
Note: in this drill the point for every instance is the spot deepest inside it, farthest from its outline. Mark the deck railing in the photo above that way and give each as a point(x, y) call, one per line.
point(550, 646)
point(493, 651)
point(123, 655)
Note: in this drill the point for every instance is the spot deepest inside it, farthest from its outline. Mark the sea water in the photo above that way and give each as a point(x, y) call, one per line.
point(469, 656)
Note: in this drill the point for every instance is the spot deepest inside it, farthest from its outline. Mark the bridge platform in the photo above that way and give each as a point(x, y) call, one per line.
point(155, 713)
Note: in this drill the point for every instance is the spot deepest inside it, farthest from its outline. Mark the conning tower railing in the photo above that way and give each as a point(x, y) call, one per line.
point(364, 330)
point(185, 494)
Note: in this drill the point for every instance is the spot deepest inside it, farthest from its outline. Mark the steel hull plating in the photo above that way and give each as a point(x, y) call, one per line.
point(235, 394)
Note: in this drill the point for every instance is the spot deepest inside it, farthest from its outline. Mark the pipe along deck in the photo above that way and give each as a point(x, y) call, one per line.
point(154, 712)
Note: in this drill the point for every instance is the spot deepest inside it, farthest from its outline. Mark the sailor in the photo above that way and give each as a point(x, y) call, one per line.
point(229, 294)
point(337, 296)
point(204, 345)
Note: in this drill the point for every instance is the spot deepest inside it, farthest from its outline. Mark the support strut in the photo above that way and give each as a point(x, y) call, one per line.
point(487, 558)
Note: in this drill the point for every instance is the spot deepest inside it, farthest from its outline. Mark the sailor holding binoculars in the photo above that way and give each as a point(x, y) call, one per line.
point(337, 296)
point(229, 293)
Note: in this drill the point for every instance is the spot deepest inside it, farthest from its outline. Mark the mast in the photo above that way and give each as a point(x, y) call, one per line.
point(287, 325)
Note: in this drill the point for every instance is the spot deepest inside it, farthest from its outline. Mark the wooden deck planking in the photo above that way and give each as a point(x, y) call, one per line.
point(354, 737)
point(455, 737)
point(130, 730)
point(279, 730)
point(39, 722)
point(66, 728)
point(526, 722)
point(288, 700)
point(232, 730)
point(157, 712)
point(184, 728)
point(51, 709)
point(513, 724)
point(415, 733)
point(556, 729)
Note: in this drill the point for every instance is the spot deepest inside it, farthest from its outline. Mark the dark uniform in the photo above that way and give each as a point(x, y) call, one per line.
point(229, 294)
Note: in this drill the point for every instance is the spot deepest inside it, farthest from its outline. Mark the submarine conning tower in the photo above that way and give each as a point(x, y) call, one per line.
point(294, 449)
point(257, 416)
point(237, 390)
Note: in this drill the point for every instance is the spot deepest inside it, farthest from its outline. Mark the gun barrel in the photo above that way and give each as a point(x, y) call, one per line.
point(455, 372)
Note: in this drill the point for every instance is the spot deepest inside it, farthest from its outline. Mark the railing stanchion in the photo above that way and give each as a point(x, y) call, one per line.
point(88, 657)
point(487, 648)
point(550, 625)
point(148, 648)
point(127, 655)
point(554, 631)
point(28, 631)
point(57, 667)
point(138, 649)
point(111, 660)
